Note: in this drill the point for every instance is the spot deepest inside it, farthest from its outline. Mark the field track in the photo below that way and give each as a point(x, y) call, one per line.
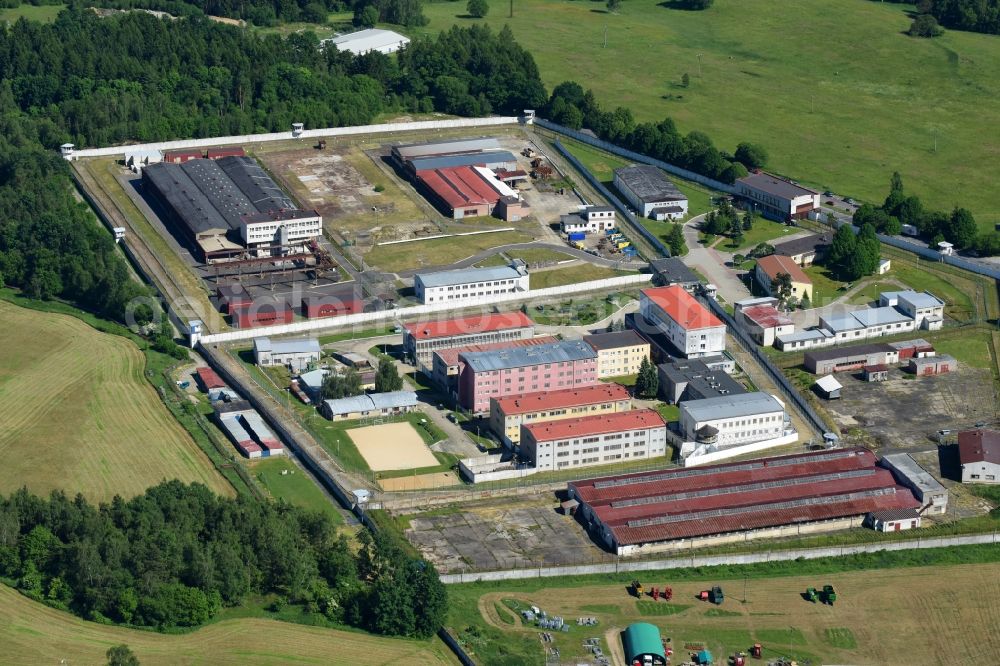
point(32, 633)
point(76, 414)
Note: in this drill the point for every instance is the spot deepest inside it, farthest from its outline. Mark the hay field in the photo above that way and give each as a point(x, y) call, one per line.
point(927, 615)
point(32, 633)
point(77, 415)
point(392, 446)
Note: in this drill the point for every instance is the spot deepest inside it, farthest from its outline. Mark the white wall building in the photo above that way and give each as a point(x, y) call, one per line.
point(590, 220)
point(469, 283)
point(926, 309)
point(594, 440)
point(733, 420)
point(762, 319)
point(777, 198)
point(294, 354)
point(365, 41)
point(281, 227)
point(689, 326)
point(651, 192)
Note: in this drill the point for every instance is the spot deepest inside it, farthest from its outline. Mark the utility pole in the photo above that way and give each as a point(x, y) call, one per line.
point(605, 36)
point(699, 65)
point(511, 9)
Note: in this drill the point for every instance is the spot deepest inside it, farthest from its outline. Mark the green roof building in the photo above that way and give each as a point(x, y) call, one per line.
point(643, 645)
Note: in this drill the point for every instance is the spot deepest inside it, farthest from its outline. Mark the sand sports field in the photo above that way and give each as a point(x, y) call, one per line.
point(78, 415)
point(32, 633)
point(420, 481)
point(392, 446)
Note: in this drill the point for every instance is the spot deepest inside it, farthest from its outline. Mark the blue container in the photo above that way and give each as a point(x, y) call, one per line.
point(577, 236)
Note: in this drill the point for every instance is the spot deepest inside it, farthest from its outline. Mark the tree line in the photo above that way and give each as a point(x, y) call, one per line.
point(899, 209)
point(177, 554)
point(575, 108)
point(970, 15)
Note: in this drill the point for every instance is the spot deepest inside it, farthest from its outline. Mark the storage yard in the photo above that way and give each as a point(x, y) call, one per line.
point(930, 615)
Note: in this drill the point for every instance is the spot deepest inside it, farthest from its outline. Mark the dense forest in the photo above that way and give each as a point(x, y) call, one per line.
point(569, 105)
point(176, 555)
point(970, 15)
point(94, 81)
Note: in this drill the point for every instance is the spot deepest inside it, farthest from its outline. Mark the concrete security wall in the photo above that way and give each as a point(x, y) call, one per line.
point(306, 134)
point(733, 451)
point(717, 560)
point(401, 313)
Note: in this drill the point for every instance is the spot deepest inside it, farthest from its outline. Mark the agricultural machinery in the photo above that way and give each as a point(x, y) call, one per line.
point(714, 595)
point(829, 594)
point(637, 589)
point(757, 651)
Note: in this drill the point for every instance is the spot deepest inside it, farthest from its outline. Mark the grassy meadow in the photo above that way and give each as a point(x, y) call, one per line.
point(79, 416)
point(833, 89)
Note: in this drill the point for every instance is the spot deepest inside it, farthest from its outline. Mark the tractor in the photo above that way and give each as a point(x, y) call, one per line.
point(811, 594)
point(829, 594)
point(757, 651)
point(668, 593)
point(655, 593)
point(637, 589)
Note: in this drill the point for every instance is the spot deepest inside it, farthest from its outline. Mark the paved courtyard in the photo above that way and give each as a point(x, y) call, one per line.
point(504, 534)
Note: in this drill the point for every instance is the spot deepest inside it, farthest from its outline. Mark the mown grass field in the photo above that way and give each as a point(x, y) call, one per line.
point(79, 416)
point(557, 277)
point(834, 90)
point(926, 615)
point(42, 13)
point(438, 251)
point(32, 633)
point(286, 481)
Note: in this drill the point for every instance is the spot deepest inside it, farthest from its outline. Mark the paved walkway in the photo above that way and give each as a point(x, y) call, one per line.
point(712, 264)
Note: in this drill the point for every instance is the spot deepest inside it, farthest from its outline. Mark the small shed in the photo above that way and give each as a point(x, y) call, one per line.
point(876, 373)
point(569, 507)
point(883, 266)
point(643, 645)
point(703, 657)
point(946, 248)
point(828, 387)
point(893, 520)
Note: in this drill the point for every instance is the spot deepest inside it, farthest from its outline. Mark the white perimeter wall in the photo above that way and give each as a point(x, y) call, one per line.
point(305, 134)
point(433, 308)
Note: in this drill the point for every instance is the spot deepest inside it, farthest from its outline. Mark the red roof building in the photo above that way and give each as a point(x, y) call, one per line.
point(979, 455)
point(447, 366)
point(209, 379)
point(230, 151)
point(688, 325)
point(717, 503)
point(181, 156)
point(594, 440)
point(508, 414)
point(261, 314)
point(422, 339)
point(330, 306)
point(765, 323)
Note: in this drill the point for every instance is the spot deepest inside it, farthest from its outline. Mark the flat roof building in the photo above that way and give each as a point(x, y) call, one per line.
point(932, 495)
point(507, 415)
point(422, 339)
point(470, 283)
point(411, 151)
point(762, 320)
point(294, 354)
point(370, 405)
point(926, 309)
point(651, 192)
point(841, 359)
point(692, 379)
point(366, 41)
point(777, 198)
point(505, 372)
point(594, 440)
point(790, 495)
point(733, 420)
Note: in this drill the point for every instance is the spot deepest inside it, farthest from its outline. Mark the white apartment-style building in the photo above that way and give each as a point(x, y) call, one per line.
point(594, 440)
point(294, 354)
point(590, 220)
point(733, 420)
point(619, 353)
point(280, 227)
point(507, 415)
point(469, 283)
point(689, 326)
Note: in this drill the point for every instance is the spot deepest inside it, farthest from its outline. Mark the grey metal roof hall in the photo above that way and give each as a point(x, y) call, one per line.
point(649, 184)
point(614, 339)
point(255, 184)
point(673, 271)
point(413, 150)
point(488, 159)
point(911, 469)
point(231, 203)
point(188, 202)
point(731, 406)
point(773, 185)
point(467, 275)
point(297, 346)
point(519, 357)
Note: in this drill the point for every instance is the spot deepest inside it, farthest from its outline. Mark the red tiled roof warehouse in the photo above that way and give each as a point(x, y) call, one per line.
point(209, 379)
point(644, 511)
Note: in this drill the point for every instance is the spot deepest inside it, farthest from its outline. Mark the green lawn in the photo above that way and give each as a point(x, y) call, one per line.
point(825, 287)
point(764, 231)
point(284, 480)
point(578, 312)
point(374, 332)
point(43, 13)
point(971, 348)
point(438, 252)
point(537, 255)
point(572, 275)
point(669, 412)
point(841, 74)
